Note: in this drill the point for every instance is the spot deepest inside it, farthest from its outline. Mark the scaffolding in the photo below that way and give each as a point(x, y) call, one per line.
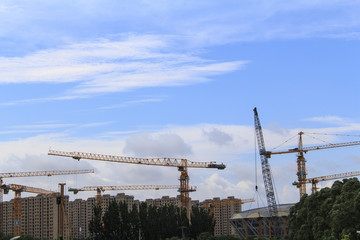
point(258, 222)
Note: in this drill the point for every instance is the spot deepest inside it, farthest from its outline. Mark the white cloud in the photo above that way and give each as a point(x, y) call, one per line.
point(238, 179)
point(218, 137)
point(46, 126)
point(329, 119)
point(43, 128)
point(133, 102)
point(110, 66)
point(218, 186)
point(162, 145)
point(200, 23)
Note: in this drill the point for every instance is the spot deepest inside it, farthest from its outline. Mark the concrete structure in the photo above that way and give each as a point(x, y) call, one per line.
point(81, 212)
point(165, 200)
point(222, 211)
point(257, 222)
point(40, 214)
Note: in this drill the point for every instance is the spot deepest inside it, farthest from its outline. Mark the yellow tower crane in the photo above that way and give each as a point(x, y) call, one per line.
point(300, 150)
point(18, 189)
point(41, 173)
point(181, 164)
point(315, 180)
point(100, 189)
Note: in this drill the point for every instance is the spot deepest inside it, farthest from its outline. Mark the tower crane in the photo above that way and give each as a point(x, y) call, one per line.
point(266, 171)
point(300, 150)
point(41, 173)
point(181, 164)
point(315, 180)
point(44, 173)
point(100, 189)
point(18, 189)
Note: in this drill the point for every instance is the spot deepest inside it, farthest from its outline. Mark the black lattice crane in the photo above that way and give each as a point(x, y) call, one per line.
point(300, 150)
point(181, 164)
point(266, 171)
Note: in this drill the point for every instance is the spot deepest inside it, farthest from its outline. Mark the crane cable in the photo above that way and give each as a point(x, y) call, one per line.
point(285, 142)
point(256, 194)
point(334, 134)
point(319, 139)
point(255, 146)
point(307, 133)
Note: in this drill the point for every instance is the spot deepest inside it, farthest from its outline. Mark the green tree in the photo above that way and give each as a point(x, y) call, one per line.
point(205, 236)
point(329, 214)
point(148, 222)
point(95, 224)
point(112, 222)
point(201, 221)
point(134, 223)
point(227, 237)
point(144, 228)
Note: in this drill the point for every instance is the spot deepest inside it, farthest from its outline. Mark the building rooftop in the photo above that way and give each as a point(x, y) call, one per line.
point(283, 210)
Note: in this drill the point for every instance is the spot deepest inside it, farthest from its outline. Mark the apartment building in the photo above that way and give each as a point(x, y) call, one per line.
point(222, 211)
point(165, 200)
point(41, 214)
point(81, 212)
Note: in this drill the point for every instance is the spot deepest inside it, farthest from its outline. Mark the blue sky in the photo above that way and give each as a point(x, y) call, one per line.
point(177, 79)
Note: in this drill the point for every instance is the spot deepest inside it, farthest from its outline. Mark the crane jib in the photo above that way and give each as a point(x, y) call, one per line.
point(170, 162)
point(311, 148)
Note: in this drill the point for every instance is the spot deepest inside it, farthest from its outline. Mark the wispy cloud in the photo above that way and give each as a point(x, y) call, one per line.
point(122, 132)
point(45, 99)
point(201, 23)
point(42, 128)
point(46, 126)
point(133, 102)
point(21, 131)
point(330, 119)
point(111, 66)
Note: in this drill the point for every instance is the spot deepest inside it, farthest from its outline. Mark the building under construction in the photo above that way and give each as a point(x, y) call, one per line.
point(258, 222)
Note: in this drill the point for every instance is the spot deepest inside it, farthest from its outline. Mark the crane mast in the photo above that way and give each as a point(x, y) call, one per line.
point(266, 172)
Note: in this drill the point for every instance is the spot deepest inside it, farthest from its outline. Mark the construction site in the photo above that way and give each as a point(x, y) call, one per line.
point(52, 215)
